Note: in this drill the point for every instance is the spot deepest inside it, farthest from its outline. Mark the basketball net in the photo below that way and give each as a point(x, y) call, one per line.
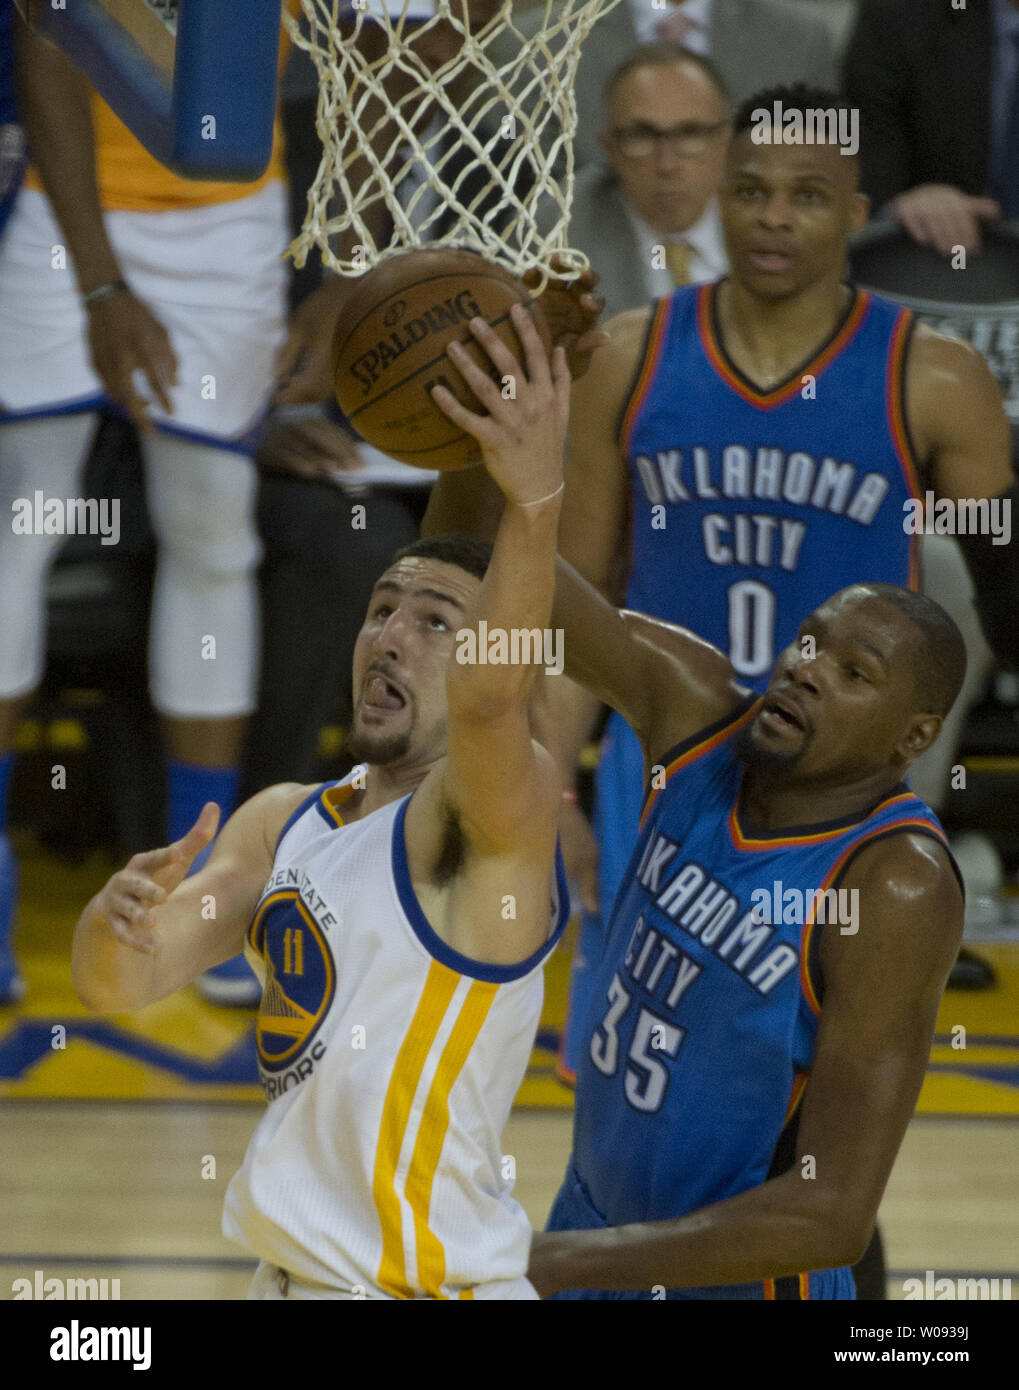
point(494, 166)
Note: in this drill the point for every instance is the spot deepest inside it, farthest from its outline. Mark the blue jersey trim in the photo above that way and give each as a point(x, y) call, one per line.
point(246, 443)
point(750, 831)
point(638, 371)
point(436, 947)
point(901, 387)
point(73, 407)
point(794, 376)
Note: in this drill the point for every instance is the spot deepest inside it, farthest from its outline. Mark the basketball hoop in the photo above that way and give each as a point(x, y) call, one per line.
point(490, 169)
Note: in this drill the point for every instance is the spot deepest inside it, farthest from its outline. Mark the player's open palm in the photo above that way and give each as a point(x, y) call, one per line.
point(128, 901)
point(523, 434)
point(124, 337)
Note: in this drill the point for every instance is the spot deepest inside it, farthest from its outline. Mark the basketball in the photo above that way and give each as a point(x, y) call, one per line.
point(389, 350)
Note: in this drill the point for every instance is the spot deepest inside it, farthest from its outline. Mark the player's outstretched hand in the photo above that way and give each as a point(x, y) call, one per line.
point(127, 902)
point(523, 434)
point(571, 310)
point(124, 337)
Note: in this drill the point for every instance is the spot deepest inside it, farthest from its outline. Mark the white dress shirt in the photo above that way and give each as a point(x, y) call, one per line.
point(646, 18)
point(708, 259)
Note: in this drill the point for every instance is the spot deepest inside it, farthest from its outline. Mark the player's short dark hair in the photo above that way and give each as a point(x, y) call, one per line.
point(468, 552)
point(940, 666)
point(665, 53)
point(794, 96)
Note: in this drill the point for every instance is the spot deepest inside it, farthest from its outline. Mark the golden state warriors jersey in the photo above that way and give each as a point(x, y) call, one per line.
point(390, 1063)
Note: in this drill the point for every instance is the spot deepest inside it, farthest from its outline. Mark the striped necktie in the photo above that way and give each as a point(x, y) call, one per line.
point(677, 261)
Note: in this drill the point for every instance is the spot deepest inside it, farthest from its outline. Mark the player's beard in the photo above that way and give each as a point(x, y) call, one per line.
point(767, 761)
point(364, 746)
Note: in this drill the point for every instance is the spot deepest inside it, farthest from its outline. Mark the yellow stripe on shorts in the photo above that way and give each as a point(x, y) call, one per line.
point(432, 1134)
point(439, 989)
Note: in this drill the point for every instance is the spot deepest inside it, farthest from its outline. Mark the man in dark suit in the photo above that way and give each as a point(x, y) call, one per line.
point(938, 94)
point(753, 43)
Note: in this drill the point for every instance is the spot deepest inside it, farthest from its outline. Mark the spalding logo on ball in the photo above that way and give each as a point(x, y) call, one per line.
point(389, 350)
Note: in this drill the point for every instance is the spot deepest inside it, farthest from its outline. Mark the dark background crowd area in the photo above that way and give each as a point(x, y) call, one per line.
point(93, 713)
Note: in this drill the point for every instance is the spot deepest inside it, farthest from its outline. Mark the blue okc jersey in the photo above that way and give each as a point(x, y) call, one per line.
point(699, 1036)
point(749, 508)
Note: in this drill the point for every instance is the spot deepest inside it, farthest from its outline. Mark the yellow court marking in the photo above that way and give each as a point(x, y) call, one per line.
point(186, 1049)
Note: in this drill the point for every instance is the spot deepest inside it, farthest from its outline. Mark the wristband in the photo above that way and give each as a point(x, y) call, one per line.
point(547, 498)
point(103, 292)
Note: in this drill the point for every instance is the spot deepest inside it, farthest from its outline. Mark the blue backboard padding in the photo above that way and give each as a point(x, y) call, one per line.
point(225, 67)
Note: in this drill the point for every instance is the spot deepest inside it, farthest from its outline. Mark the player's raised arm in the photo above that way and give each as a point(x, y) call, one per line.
point(150, 930)
point(666, 682)
point(882, 986)
point(501, 785)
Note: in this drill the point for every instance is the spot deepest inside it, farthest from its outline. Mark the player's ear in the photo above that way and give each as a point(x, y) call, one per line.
point(923, 731)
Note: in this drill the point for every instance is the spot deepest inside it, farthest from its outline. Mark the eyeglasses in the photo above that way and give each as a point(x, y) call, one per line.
point(640, 141)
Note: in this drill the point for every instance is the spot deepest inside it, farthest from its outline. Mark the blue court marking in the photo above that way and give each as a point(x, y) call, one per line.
point(30, 1040)
point(1002, 1076)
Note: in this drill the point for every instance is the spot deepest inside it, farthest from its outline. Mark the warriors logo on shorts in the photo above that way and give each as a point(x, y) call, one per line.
point(300, 978)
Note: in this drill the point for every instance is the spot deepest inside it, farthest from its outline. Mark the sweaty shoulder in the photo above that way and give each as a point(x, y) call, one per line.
point(911, 872)
point(953, 402)
point(939, 359)
point(909, 925)
point(615, 362)
point(628, 332)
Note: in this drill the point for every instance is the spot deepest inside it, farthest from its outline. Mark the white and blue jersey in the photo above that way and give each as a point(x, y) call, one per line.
point(389, 1062)
point(698, 1040)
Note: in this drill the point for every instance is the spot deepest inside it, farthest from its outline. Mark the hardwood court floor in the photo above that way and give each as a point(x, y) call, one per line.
point(106, 1132)
point(98, 1190)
